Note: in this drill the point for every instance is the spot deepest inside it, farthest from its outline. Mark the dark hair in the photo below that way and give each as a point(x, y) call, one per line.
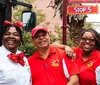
point(95, 35)
point(7, 27)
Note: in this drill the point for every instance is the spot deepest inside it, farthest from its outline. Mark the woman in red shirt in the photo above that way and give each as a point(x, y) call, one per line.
point(88, 57)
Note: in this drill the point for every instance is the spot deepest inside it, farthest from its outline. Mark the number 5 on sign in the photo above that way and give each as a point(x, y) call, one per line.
point(82, 9)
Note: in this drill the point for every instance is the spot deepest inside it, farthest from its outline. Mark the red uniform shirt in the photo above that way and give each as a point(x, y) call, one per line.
point(50, 71)
point(90, 69)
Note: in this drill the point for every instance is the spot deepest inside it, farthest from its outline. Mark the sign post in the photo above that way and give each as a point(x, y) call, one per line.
point(64, 27)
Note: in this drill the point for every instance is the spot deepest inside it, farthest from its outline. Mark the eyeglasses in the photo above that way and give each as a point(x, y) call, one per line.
point(90, 40)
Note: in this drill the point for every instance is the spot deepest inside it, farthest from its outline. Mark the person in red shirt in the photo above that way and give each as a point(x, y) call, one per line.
point(87, 57)
point(49, 65)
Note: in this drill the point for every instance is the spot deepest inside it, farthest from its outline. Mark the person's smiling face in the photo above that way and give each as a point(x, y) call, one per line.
point(11, 39)
point(41, 39)
point(87, 42)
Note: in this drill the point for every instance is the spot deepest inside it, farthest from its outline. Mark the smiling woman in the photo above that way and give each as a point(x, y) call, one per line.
point(13, 61)
point(87, 57)
point(11, 39)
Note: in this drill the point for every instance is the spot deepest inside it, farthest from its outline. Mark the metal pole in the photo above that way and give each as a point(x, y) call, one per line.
point(24, 4)
point(64, 5)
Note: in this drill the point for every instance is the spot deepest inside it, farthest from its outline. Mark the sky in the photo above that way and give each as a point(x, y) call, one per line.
point(94, 18)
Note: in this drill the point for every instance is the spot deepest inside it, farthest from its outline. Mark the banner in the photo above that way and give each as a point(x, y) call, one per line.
point(83, 1)
point(82, 9)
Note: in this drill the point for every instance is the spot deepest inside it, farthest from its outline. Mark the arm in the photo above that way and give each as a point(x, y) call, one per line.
point(71, 71)
point(73, 80)
point(67, 49)
point(98, 75)
point(60, 46)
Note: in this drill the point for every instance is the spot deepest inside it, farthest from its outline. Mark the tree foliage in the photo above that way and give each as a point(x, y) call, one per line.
point(27, 47)
point(75, 22)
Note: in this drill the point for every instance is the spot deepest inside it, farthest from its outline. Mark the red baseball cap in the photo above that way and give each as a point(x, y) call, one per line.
point(34, 30)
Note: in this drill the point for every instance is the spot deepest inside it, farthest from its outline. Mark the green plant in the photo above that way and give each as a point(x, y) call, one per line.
point(27, 47)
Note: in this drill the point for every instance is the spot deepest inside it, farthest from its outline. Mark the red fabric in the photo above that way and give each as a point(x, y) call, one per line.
point(17, 58)
point(34, 30)
point(19, 24)
point(87, 73)
point(49, 71)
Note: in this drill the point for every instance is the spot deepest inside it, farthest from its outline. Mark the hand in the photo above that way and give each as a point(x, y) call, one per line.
point(69, 52)
point(73, 80)
point(67, 49)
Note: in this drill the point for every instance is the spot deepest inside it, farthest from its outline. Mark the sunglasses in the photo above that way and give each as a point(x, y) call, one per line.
point(85, 39)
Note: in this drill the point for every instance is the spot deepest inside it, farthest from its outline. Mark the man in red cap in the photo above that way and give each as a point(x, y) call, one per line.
point(49, 65)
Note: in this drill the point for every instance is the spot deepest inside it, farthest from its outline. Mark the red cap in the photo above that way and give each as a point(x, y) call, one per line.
point(34, 30)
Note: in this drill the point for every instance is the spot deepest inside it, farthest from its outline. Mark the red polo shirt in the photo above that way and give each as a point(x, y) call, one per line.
point(90, 69)
point(50, 71)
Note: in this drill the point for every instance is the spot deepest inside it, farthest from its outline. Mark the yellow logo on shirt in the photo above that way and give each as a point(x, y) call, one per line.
point(90, 64)
point(55, 63)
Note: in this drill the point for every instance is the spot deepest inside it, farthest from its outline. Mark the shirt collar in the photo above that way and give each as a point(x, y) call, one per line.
point(7, 51)
point(94, 54)
point(51, 51)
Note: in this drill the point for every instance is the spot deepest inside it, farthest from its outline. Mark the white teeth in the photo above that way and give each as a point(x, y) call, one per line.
point(43, 42)
point(10, 42)
point(87, 46)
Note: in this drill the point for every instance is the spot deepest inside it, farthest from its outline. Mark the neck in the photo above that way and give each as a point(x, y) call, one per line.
point(44, 52)
point(86, 55)
point(11, 50)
